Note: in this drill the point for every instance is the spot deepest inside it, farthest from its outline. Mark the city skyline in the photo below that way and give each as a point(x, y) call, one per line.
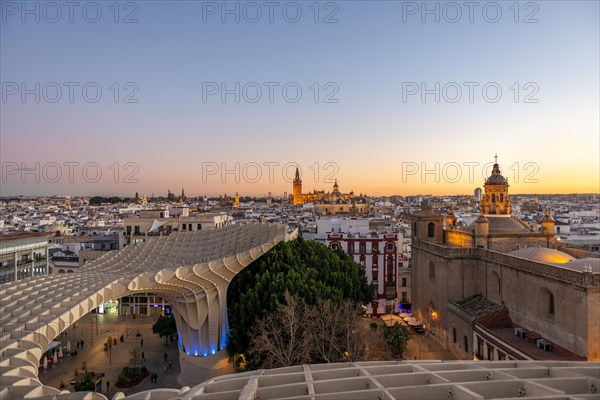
point(180, 90)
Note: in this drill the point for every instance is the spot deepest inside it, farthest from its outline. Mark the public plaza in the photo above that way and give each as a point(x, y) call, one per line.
point(95, 332)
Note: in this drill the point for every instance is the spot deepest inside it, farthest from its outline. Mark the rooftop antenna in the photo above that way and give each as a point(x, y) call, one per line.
point(496, 158)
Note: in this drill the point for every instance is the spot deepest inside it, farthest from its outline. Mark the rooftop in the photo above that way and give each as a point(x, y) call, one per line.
point(389, 380)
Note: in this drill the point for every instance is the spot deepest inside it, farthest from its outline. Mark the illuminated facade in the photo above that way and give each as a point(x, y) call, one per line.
point(329, 203)
point(498, 290)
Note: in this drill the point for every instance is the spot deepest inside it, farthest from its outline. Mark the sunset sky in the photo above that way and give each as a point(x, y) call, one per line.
point(161, 118)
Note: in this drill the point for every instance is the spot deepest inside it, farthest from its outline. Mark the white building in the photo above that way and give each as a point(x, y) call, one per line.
point(23, 255)
point(377, 254)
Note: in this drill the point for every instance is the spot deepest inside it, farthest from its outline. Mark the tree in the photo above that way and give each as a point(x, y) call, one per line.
point(397, 338)
point(307, 269)
point(297, 334)
point(334, 332)
point(135, 353)
point(280, 339)
point(165, 326)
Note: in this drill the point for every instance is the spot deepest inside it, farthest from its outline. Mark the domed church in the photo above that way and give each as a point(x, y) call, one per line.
point(496, 290)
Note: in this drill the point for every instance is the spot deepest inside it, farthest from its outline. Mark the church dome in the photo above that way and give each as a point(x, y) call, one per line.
point(496, 178)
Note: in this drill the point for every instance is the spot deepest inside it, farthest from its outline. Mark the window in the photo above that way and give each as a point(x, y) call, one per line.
point(362, 248)
point(199, 226)
point(431, 229)
point(334, 246)
point(454, 335)
point(414, 230)
point(490, 352)
point(493, 198)
point(431, 270)
point(496, 281)
point(404, 297)
point(501, 198)
point(390, 246)
point(466, 344)
point(375, 275)
point(350, 247)
point(137, 229)
point(403, 282)
point(546, 305)
point(390, 262)
point(375, 248)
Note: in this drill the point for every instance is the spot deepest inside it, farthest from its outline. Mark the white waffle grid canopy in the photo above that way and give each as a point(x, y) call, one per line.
point(190, 269)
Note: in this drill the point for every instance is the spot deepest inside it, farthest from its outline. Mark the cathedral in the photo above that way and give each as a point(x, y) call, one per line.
point(496, 290)
point(330, 203)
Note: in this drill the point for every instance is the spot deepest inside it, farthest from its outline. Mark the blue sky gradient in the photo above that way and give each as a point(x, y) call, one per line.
point(369, 133)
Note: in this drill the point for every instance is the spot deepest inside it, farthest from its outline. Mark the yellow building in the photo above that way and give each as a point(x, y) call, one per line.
point(297, 197)
point(496, 200)
point(329, 203)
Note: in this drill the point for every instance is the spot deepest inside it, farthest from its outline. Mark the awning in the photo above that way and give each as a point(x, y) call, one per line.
point(51, 345)
point(156, 224)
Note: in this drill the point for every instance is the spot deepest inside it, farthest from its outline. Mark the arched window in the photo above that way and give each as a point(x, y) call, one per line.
point(431, 229)
point(466, 343)
point(546, 305)
point(454, 335)
point(496, 281)
point(501, 197)
point(493, 198)
point(431, 270)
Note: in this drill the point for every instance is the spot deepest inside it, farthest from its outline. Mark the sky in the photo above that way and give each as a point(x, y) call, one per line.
point(387, 97)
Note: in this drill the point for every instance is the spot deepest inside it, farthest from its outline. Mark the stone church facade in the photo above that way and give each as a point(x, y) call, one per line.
point(496, 290)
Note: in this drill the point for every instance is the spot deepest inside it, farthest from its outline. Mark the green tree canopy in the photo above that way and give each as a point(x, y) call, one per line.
point(305, 268)
point(165, 326)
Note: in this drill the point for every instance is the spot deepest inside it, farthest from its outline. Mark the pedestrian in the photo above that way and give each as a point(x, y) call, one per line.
point(107, 386)
point(166, 356)
point(170, 364)
point(142, 342)
point(165, 368)
point(143, 357)
point(82, 343)
point(78, 344)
